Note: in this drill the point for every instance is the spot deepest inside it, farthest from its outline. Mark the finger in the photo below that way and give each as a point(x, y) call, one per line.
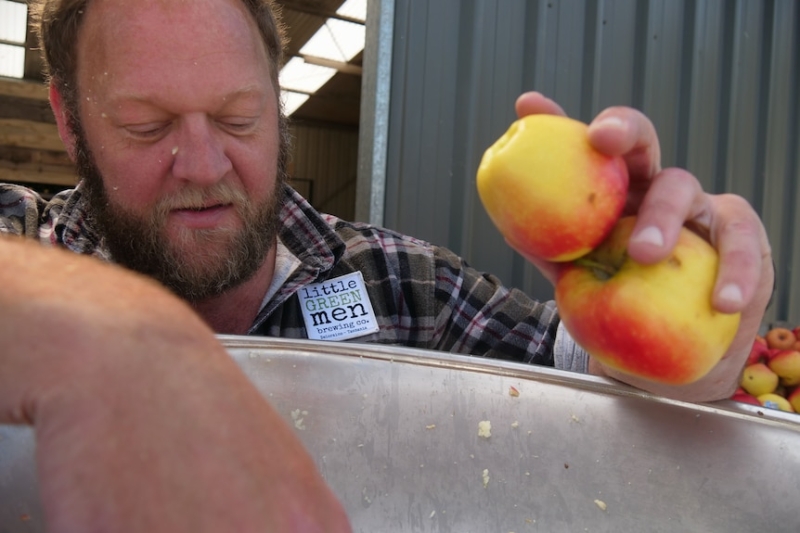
point(728, 222)
point(673, 198)
point(745, 271)
point(629, 133)
point(535, 103)
point(746, 276)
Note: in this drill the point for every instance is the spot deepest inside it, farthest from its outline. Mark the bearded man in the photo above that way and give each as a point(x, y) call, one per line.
point(171, 111)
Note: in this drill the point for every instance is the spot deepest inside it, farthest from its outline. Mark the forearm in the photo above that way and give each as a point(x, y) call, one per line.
point(143, 422)
point(186, 445)
point(61, 314)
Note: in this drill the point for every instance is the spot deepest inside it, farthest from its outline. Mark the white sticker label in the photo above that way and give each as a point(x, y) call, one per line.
point(337, 309)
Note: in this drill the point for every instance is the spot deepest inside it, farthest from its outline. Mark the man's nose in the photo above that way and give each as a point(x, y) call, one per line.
point(199, 153)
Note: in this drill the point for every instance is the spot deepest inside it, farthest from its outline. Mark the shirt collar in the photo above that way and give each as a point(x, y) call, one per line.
point(75, 225)
point(307, 234)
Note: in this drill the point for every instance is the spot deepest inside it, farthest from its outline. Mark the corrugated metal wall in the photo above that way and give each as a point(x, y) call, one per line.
point(719, 78)
point(323, 166)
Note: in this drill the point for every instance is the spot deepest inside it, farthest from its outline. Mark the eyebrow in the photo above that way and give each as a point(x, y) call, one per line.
point(243, 92)
point(250, 90)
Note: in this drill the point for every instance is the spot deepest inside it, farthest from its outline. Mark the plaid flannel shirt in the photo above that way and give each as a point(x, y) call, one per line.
point(424, 296)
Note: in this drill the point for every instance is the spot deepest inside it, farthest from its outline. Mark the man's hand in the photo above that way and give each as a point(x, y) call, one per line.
point(143, 422)
point(664, 200)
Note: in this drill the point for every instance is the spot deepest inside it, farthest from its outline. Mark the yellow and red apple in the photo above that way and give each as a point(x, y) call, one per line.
point(654, 321)
point(743, 396)
point(780, 338)
point(776, 401)
point(794, 399)
point(771, 376)
point(786, 364)
point(759, 352)
point(758, 379)
point(548, 191)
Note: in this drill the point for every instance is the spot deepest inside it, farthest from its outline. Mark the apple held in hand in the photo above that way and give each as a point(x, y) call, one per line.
point(548, 191)
point(653, 321)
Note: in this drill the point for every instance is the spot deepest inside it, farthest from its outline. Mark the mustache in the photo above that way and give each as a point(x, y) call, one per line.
point(191, 197)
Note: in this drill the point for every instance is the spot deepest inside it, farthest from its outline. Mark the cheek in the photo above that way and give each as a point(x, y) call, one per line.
point(132, 175)
point(133, 178)
point(256, 167)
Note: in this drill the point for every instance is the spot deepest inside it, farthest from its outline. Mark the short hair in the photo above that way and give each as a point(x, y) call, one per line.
point(56, 24)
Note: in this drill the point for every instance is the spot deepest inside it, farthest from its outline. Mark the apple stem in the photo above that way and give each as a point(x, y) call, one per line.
point(601, 270)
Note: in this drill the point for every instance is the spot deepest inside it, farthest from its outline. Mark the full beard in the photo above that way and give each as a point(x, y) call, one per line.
point(197, 264)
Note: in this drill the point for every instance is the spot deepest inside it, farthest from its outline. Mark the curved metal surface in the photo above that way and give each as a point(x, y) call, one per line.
point(396, 432)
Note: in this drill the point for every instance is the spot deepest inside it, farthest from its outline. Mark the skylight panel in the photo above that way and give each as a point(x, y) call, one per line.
point(12, 61)
point(336, 43)
point(13, 21)
point(292, 100)
point(354, 9)
point(303, 77)
point(337, 40)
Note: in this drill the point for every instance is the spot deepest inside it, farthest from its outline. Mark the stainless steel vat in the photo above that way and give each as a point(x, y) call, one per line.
point(396, 434)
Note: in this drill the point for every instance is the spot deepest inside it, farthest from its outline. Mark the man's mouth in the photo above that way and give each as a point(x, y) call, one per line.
point(204, 217)
point(203, 208)
point(210, 205)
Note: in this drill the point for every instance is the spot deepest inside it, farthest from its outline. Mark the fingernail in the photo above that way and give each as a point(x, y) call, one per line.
point(609, 122)
point(650, 235)
point(732, 293)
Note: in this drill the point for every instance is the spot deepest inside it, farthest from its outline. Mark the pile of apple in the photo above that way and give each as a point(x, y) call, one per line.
point(560, 203)
point(771, 377)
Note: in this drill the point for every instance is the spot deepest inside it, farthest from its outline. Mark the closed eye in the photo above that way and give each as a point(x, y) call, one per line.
point(238, 126)
point(148, 132)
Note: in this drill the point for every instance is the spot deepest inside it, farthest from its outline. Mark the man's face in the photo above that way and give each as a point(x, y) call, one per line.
point(178, 139)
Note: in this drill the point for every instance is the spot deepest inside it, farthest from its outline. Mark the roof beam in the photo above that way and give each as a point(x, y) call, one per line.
point(23, 89)
point(29, 174)
point(300, 7)
point(28, 134)
point(341, 66)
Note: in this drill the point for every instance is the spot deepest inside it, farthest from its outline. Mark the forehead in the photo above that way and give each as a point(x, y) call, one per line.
point(165, 42)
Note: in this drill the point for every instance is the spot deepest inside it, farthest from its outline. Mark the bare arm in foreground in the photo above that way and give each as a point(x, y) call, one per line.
point(143, 422)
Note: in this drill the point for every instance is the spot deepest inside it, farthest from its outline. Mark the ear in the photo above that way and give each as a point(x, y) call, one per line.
point(62, 120)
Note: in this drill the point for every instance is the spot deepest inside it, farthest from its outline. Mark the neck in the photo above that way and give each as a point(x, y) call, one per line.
point(234, 311)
